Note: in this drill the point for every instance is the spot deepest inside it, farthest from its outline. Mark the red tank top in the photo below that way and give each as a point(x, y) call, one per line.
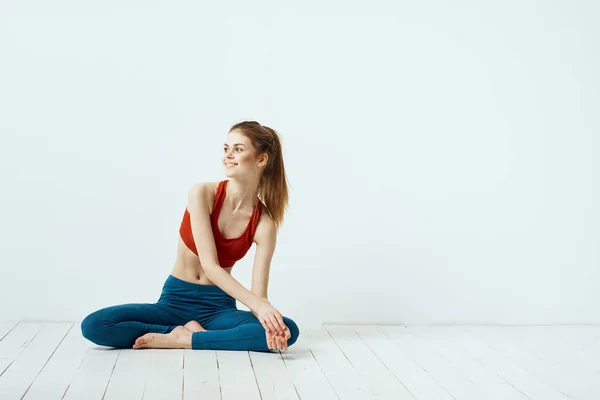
point(229, 250)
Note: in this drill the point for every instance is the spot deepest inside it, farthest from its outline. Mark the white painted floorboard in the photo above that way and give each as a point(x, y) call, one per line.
point(51, 360)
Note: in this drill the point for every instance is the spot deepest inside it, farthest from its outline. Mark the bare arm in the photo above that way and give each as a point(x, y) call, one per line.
point(266, 240)
point(198, 207)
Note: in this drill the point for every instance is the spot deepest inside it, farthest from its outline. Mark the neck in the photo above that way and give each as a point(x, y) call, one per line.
point(242, 194)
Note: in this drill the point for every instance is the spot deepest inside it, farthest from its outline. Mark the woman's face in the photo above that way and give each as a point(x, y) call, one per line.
point(238, 155)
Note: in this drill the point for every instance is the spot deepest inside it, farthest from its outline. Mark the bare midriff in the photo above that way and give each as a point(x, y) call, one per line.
point(187, 264)
point(188, 268)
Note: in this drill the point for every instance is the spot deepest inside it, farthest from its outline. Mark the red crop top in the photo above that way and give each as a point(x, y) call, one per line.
point(228, 250)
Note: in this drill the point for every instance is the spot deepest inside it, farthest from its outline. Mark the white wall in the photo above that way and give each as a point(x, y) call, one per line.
point(440, 154)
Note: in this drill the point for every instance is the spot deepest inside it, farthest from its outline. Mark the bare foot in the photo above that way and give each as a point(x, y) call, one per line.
point(194, 326)
point(178, 338)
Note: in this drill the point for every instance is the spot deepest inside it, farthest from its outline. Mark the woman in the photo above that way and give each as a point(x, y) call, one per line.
point(197, 308)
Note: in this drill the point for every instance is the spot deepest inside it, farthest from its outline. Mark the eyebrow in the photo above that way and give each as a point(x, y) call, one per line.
point(241, 144)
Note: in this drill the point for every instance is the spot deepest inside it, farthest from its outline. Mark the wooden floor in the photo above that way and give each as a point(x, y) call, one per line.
point(53, 361)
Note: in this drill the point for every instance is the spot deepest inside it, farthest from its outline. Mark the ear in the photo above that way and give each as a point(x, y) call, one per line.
point(263, 160)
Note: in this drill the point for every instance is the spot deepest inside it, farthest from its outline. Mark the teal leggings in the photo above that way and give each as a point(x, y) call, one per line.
point(180, 302)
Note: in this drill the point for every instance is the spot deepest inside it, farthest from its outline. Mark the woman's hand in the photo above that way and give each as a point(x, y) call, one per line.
point(278, 342)
point(271, 319)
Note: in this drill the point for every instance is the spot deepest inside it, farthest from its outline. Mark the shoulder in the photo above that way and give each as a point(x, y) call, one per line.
point(204, 191)
point(204, 188)
point(266, 231)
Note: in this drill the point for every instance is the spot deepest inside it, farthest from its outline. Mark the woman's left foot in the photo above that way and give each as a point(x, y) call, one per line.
point(178, 338)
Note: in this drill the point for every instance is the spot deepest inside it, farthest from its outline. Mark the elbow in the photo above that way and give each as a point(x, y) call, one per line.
point(209, 270)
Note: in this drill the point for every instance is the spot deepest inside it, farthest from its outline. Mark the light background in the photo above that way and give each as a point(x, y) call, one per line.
point(440, 154)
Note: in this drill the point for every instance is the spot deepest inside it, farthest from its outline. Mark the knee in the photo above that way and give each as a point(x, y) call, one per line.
point(294, 330)
point(92, 327)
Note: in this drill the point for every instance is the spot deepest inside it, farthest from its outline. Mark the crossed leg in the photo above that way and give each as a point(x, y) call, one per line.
point(230, 330)
point(120, 325)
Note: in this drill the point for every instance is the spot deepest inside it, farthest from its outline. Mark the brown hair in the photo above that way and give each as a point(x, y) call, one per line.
point(273, 187)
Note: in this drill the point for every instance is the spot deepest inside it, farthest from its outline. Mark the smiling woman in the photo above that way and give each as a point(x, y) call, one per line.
point(197, 307)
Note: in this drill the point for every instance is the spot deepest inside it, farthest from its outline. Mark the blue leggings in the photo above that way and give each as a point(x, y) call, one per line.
point(181, 301)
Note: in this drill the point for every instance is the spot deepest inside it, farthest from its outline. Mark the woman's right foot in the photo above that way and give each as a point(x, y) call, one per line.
point(194, 326)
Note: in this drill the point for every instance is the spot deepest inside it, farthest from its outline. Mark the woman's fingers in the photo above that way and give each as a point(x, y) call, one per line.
point(284, 340)
point(277, 332)
point(275, 324)
point(271, 341)
point(268, 325)
point(282, 324)
point(272, 324)
point(281, 341)
point(277, 321)
point(276, 341)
